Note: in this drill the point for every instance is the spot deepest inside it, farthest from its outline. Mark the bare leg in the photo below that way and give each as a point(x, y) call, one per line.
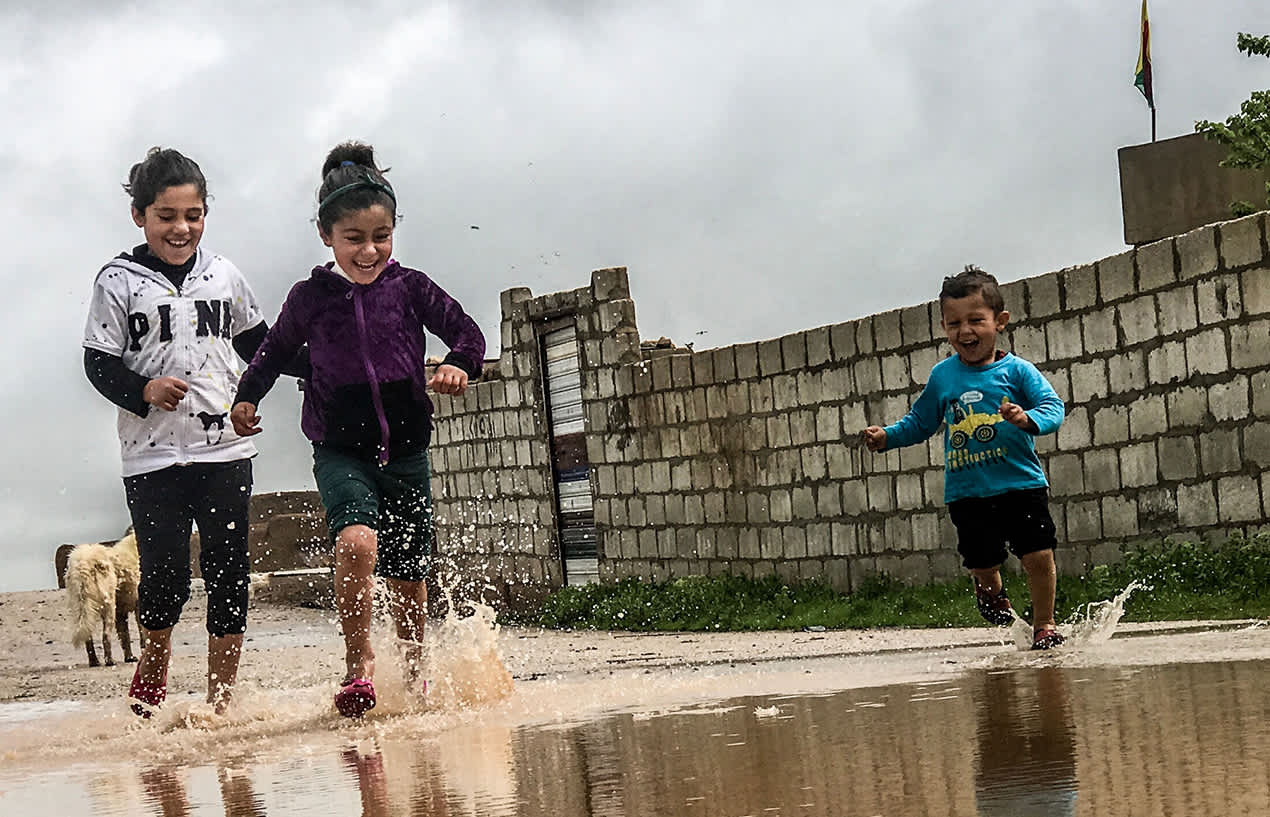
point(1042, 579)
point(408, 605)
point(987, 579)
point(153, 668)
point(354, 596)
point(223, 653)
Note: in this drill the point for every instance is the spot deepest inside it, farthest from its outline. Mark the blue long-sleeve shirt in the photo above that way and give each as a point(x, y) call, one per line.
point(984, 454)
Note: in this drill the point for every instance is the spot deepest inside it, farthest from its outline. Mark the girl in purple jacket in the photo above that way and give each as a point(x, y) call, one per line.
point(366, 408)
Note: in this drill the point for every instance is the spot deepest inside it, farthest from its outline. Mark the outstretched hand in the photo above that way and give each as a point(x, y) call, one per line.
point(874, 438)
point(246, 421)
point(448, 380)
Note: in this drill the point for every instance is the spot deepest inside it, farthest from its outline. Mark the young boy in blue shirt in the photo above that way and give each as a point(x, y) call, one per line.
point(992, 404)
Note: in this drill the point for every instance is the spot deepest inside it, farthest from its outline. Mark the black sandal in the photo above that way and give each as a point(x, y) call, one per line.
point(995, 609)
point(1046, 638)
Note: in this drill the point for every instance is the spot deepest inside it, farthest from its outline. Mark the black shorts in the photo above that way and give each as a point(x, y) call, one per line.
point(986, 526)
point(164, 503)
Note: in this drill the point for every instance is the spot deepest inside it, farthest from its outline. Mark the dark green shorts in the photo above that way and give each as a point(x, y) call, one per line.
point(394, 500)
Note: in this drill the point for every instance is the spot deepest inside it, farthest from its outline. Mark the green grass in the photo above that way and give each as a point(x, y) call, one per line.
point(1181, 581)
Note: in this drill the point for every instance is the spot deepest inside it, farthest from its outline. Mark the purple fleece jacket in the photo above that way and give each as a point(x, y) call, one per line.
point(368, 391)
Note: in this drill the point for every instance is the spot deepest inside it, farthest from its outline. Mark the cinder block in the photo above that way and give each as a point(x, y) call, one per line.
point(1147, 416)
point(855, 499)
point(794, 352)
point(1089, 380)
point(1099, 331)
point(1066, 476)
point(1261, 394)
point(908, 491)
point(818, 352)
point(1119, 516)
point(1257, 444)
point(1029, 343)
point(886, 330)
point(842, 341)
point(1250, 345)
point(1116, 277)
point(1219, 451)
point(881, 492)
point(1218, 299)
point(769, 357)
point(1241, 240)
point(1084, 520)
point(868, 374)
point(1080, 287)
point(1102, 470)
point(1127, 371)
point(814, 462)
point(1166, 363)
point(808, 385)
point(794, 545)
point(1254, 285)
point(1177, 310)
point(1229, 401)
point(915, 326)
point(610, 284)
point(1156, 265)
point(1197, 252)
point(1239, 499)
point(1138, 465)
point(1178, 459)
point(746, 355)
point(895, 372)
point(1111, 425)
point(1206, 352)
point(1138, 320)
point(864, 336)
point(1043, 297)
point(1063, 338)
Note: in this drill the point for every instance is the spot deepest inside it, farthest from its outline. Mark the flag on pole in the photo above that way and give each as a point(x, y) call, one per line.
point(1143, 78)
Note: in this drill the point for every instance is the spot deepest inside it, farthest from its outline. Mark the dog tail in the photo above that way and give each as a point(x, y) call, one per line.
point(90, 591)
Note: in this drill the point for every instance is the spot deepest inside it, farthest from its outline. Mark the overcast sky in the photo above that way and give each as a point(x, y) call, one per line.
point(761, 168)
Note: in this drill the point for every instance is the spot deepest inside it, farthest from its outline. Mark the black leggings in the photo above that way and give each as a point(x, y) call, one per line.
point(163, 503)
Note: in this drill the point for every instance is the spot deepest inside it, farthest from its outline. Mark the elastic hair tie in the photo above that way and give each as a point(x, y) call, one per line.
point(346, 163)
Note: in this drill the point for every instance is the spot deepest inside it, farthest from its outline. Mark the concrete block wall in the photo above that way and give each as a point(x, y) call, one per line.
point(745, 459)
point(493, 478)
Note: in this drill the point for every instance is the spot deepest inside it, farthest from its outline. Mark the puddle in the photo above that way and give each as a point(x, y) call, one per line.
point(991, 740)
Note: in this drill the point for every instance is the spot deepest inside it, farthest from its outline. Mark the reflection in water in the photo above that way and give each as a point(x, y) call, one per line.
point(1177, 739)
point(1027, 744)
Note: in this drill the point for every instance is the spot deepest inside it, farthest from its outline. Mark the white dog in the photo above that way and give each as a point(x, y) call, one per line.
point(101, 586)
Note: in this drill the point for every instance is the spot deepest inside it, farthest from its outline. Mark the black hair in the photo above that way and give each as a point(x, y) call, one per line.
point(160, 169)
point(350, 173)
point(972, 280)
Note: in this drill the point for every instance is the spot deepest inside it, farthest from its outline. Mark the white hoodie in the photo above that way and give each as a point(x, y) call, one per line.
point(158, 329)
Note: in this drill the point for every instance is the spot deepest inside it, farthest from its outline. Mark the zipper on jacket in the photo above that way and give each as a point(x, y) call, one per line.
point(375, 396)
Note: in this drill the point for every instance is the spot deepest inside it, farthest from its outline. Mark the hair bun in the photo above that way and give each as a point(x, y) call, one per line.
point(358, 153)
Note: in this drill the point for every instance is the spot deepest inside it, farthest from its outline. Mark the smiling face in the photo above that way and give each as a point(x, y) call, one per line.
point(173, 223)
point(972, 327)
point(362, 242)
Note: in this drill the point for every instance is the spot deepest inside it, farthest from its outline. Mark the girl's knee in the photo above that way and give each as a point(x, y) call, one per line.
point(356, 544)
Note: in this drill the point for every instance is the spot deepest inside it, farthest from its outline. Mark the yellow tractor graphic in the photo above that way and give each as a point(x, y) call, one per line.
point(967, 424)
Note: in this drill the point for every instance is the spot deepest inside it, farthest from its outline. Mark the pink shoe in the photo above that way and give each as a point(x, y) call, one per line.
point(146, 697)
point(355, 698)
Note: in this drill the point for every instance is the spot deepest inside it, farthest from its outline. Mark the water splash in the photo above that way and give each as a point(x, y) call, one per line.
point(1095, 623)
point(1092, 623)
